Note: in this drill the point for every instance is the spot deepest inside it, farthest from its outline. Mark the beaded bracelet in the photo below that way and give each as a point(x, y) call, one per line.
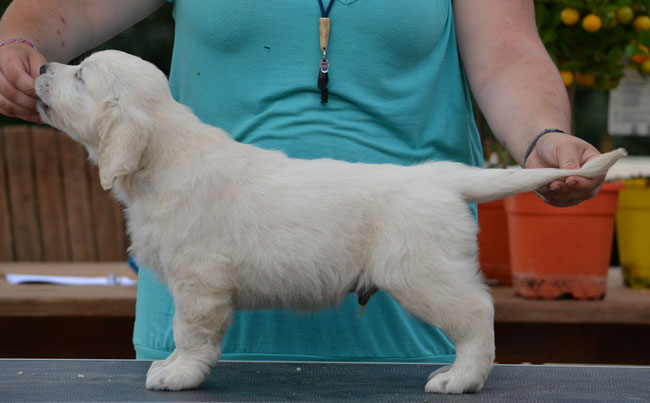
point(532, 143)
point(14, 40)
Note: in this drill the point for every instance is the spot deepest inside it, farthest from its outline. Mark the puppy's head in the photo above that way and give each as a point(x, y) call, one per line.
point(107, 103)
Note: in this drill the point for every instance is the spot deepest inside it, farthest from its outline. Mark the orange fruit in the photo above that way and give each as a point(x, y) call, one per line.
point(567, 77)
point(640, 58)
point(592, 23)
point(569, 16)
point(641, 23)
point(586, 79)
point(624, 15)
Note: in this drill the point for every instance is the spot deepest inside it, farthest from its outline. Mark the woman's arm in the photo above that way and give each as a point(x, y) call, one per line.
point(60, 30)
point(520, 92)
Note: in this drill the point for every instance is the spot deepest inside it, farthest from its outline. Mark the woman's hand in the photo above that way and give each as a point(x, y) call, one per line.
point(558, 150)
point(61, 30)
point(19, 67)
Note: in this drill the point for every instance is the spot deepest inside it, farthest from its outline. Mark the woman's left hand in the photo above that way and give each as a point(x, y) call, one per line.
point(558, 150)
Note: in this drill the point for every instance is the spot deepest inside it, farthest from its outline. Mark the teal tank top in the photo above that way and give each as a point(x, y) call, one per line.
point(397, 94)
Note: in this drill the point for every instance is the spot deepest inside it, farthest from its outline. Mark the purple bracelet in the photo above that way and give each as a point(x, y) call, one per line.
point(532, 143)
point(14, 40)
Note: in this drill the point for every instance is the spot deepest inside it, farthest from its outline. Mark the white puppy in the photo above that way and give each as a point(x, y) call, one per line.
point(231, 226)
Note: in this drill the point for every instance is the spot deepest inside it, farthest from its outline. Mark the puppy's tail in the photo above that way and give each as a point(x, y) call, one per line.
point(482, 185)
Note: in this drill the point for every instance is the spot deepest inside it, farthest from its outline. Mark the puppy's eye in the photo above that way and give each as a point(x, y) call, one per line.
point(77, 75)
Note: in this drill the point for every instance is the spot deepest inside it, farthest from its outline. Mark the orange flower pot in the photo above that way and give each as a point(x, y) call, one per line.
point(561, 251)
point(494, 254)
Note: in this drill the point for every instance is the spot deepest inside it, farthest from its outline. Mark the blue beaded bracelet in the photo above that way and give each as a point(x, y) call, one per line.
point(532, 143)
point(14, 40)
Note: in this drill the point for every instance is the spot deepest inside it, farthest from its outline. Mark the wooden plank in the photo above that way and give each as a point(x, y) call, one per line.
point(49, 191)
point(6, 237)
point(31, 300)
point(121, 238)
point(622, 305)
point(109, 225)
point(120, 223)
point(76, 190)
point(22, 194)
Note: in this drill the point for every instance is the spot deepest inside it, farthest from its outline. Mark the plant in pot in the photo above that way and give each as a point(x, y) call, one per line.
point(591, 42)
point(566, 251)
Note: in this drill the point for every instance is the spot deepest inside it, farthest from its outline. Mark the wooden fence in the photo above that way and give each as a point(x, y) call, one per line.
point(52, 207)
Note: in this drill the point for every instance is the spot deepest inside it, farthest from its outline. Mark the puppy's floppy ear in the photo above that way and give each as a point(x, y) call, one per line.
point(124, 134)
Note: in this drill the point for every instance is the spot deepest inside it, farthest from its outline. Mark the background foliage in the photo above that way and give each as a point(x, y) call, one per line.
point(603, 39)
point(592, 53)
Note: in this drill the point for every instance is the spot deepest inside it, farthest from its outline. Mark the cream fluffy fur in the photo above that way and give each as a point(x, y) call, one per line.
point(230, 226)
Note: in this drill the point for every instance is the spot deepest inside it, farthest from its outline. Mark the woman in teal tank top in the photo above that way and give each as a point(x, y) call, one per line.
point(397, 94)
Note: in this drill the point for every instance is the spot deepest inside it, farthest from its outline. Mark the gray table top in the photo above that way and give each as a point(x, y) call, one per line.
point(107, 380)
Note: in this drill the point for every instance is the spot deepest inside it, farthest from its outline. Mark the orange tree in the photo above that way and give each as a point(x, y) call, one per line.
point(592, 41)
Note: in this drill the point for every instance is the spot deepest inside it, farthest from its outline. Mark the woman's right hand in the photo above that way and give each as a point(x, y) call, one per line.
point(19, 67)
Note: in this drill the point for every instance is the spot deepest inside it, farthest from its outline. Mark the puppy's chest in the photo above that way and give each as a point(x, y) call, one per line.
point(154, 230)
point(145, 240)
point(165, 228)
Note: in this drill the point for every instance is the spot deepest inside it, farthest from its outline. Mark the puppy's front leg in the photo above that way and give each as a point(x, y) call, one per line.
point(200, 324)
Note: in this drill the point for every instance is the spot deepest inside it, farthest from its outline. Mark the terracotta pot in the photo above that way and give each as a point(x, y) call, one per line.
point(633, 232)
point(494, 254)
point(561, 251)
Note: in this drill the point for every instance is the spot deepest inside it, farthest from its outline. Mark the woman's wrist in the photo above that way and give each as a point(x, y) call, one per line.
point(533, 143)
point(17, 40)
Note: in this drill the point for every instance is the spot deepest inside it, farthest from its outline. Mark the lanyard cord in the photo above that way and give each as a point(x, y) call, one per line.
point(324, 12)
point(324, 29)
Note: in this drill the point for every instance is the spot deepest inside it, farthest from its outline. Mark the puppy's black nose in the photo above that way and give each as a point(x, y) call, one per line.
point(43, 69)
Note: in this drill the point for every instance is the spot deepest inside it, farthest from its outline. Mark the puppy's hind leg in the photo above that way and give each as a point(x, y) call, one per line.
point(456, 301)
point(473, 334)
point(200, 322)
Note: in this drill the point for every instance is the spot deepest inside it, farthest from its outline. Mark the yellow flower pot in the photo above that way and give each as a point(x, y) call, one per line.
point(633, 232)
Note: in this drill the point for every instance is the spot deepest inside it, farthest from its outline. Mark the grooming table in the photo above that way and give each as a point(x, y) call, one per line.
point(109, 380)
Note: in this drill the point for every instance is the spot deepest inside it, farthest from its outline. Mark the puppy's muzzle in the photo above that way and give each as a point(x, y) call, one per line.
point(42, 88)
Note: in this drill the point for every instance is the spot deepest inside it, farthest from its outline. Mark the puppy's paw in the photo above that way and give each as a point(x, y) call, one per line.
point(445, 380)
point(176, 375)
point(158, 364)
point(438, 371)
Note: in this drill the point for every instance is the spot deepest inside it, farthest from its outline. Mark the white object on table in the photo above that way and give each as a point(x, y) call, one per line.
point(111, 279)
